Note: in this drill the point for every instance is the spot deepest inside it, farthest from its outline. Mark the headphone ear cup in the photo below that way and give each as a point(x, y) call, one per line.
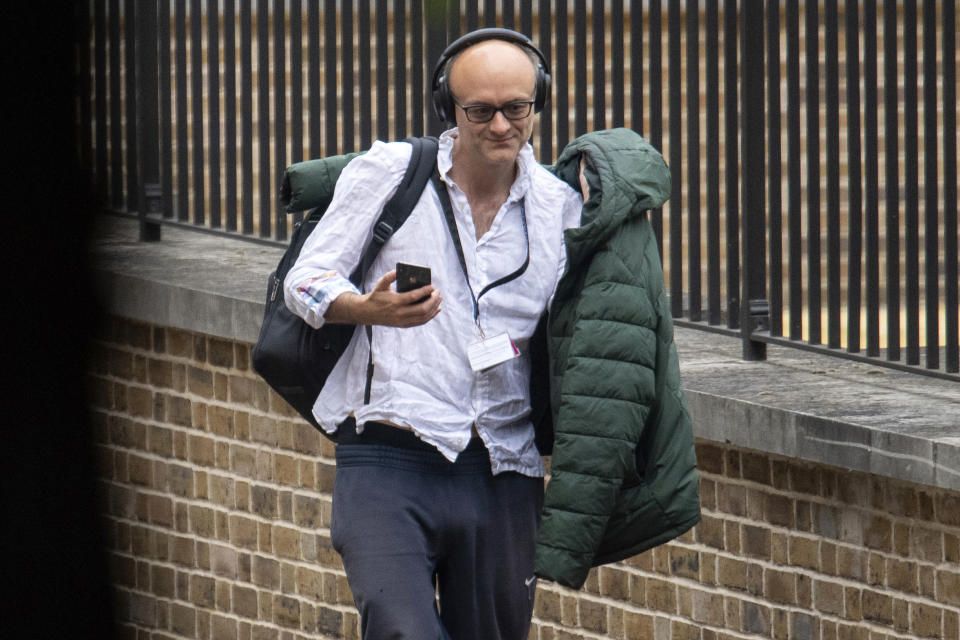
point(543, 89)
point(441, 100)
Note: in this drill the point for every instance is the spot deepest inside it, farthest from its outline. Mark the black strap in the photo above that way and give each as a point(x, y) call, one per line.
point(441, 187)
point(423, 162)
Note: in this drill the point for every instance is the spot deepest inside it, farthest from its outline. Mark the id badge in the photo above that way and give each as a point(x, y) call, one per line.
point(491, 351)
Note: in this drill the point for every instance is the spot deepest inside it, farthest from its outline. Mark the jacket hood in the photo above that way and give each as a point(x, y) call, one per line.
point(627, 176)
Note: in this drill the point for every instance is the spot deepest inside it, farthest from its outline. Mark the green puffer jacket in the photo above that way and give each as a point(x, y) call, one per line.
point(623, 472)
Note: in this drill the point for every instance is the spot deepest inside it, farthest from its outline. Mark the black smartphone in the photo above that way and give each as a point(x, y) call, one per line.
point(411, 276)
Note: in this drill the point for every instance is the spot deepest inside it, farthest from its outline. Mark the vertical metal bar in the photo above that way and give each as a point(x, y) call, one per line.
point(347, 111)
point(279, 112)
point(636, 66)
point(143, 22)
point(794, 213)
point(931, 226)
point(949, 128)
point(655, 15)
point(599, 64)
point(453, 18)
point(526, 18)
point(617, 63)
point(854, 164)
point(100, 96)
point(674, 28)
point(692, 212)
point(546, 116)
point(831, 57)
point(296, 82)
point(580, 67)
point(436, 41)
point(813, 171)
point(330, 146)
point(183, 157)
point(246, 117)
point(400, 68)
point(892, 183)
point(197, 168)
point(473, 17)
point(383, 78)
point(560, 75)
point(712, 46)
point(264, 171)
point(911, 192)
point(230, 114)
point(506, 14)
point(213, 109)
point(731, 161)
point(871, 154)
point(130, 95)
point(314, 69)
point(490, 13)
point(116, 110)
point(753, 316)
point(416, 68)
point(366, 88)
point(774, 173)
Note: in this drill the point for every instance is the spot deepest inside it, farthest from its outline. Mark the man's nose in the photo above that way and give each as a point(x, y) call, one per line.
point(499, 122)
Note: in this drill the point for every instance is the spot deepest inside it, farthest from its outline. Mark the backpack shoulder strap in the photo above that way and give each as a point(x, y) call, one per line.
point(423, 162)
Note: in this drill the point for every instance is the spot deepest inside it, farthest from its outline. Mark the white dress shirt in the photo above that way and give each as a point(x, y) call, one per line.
point(422, 379)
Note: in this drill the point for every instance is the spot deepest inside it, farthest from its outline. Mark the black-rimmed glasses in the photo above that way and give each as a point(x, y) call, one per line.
point(480, 113)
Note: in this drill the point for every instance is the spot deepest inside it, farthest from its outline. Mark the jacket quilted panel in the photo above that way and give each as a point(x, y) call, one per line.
point(623, 476)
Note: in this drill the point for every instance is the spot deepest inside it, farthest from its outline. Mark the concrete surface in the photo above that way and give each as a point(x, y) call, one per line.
point(796, 403)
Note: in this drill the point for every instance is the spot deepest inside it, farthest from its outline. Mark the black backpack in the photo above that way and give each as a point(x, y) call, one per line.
point(290, 355)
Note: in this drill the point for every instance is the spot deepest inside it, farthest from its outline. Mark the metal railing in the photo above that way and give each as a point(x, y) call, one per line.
point(813, 145)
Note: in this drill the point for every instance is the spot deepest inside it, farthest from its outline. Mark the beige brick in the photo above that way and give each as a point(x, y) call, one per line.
point(951, 625)
point(779, 548)
point(223, 561)
point(201, 450)
point(902, 575)
point(243, 532)
point(805, 552)
point(732, 499)
point(708, 494)
point(756, 541)
point(286, 470)
point(661, 595)
point(684, 563)
point(828, 597)
point(183, 620)
point(222, 592)
point(286, 611)
point(223, 628)
point(732, 573)
point(878, 534)
point(263, 501)
point(593, 616)
point(200, 382)
point(306, 511)
point(220, 353)
point(637, 625)
point(222, 490)
point(877, 607)
point(265, 572)
point(202, 591)
point(926, 621)
point(707, 608)
point(709, 531)
point(780, 586)
point(286, 542)
point(852, 602)
point(244, 601)
point(948, 586)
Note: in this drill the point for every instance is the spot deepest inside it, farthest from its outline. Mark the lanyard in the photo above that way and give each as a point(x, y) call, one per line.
point(455, 236)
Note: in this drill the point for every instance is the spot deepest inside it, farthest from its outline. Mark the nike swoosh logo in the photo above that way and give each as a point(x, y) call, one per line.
point(529, 581)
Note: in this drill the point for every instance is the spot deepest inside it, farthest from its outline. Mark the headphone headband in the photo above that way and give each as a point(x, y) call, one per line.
point(443, 104)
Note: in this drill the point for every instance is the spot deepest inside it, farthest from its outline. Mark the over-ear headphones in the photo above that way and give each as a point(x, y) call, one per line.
point(443, 104)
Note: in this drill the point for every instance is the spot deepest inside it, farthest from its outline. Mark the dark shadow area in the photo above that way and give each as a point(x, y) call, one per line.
point(54, 556)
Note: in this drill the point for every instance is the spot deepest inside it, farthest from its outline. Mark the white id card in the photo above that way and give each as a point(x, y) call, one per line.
point(490, 352)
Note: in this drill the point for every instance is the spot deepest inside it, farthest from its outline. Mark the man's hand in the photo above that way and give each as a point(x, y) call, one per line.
point(385, 306)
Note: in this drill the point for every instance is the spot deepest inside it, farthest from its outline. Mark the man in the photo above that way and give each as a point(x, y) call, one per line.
point(439, 483)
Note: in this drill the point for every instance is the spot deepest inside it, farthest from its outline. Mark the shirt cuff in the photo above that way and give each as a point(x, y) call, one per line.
point(319, 292)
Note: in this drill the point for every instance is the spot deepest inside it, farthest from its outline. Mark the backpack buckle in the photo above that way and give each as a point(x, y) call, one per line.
point(382, 231)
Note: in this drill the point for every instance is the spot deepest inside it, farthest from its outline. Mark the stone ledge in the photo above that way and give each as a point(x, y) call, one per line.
point(796, 403)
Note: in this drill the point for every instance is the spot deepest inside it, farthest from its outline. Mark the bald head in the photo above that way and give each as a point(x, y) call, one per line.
point(492, 65)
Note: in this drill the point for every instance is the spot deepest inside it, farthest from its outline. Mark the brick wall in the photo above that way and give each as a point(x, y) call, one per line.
point(216, 503)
